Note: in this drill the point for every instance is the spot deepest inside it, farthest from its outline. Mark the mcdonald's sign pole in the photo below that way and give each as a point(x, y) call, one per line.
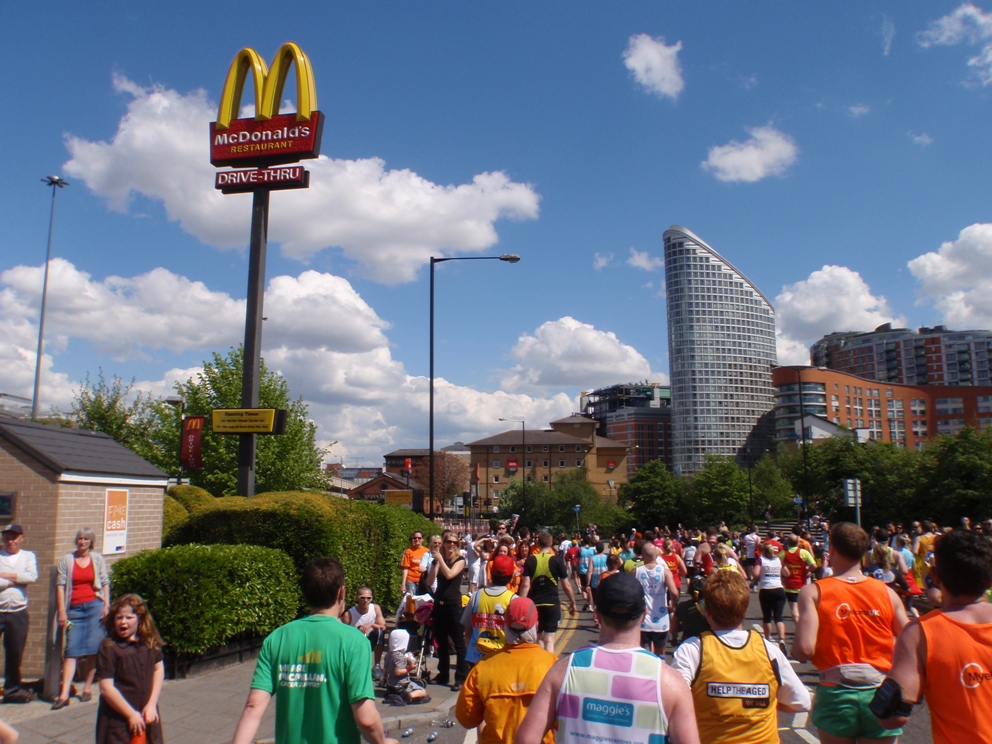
point(267, 143)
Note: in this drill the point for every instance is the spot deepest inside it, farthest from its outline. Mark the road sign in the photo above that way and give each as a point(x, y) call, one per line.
point(576, 508)
point(248, 420)
point(797, 499)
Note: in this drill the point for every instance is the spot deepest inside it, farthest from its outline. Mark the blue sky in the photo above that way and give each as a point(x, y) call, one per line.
point(837, 154)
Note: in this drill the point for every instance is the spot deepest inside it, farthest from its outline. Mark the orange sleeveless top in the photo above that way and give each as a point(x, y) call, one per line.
point(855, 624)
point(958, 685)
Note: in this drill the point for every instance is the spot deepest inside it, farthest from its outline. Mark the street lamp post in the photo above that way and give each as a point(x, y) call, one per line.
point(802, 437)
point(180, 404)
point(56, 183)
point(523, 455)
point(509, 258)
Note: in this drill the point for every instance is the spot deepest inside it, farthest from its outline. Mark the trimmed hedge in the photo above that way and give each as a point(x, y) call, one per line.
point(173, 515)
point(191, 497)
point(368, 539)
point(204, 596)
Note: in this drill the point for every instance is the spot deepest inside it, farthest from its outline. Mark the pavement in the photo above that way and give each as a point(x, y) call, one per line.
point(200, 710)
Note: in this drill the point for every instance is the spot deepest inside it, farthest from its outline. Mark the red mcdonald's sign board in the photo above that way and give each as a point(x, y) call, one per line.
point(191, 455)
point(611, 464)
point(511, 463)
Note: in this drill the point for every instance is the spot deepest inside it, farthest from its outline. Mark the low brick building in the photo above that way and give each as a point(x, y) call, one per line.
point(53, 481)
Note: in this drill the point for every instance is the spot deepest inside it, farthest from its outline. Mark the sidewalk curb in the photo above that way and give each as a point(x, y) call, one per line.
point(396, 724)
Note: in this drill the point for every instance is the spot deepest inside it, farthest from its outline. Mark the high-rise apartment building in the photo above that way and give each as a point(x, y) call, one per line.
point(721, 347)
point(639, 414)
point(932, 356)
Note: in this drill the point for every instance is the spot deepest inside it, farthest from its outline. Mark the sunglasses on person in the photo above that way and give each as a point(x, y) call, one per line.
point(450, 542)
point(365, 599)
point(417, 538)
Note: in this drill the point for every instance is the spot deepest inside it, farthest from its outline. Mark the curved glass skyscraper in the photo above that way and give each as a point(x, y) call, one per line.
point(721, 347)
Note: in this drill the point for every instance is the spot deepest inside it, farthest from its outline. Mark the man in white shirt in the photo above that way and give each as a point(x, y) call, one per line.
point(18, 568)
point(752, 542)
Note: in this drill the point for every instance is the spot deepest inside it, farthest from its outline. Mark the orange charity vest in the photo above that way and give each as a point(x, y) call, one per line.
point(855, 624)
point(735, 692)
point(672, 561)
point(958, 684)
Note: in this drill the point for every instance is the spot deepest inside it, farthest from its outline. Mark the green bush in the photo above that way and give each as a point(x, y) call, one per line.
point(174, 514)
point(191, 497)
point(368, 539)
point(204, 596)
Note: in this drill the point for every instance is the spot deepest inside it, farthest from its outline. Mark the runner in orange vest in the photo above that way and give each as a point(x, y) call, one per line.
point(847, 627)
point(946, 656)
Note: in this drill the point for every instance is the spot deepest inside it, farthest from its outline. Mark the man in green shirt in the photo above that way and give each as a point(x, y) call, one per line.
point(318, 669)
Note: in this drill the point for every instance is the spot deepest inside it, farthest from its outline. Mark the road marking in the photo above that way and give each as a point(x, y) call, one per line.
point(807, 736)
point(569, 626)
point(471, 737)
point(800, 720)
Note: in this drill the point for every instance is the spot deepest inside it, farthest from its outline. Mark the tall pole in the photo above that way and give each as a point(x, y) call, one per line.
point(802, 433)
point(251, 362)
point(56, 183)
point(509, 258)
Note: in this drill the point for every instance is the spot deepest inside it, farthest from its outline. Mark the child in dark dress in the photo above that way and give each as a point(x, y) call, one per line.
point(131, 672)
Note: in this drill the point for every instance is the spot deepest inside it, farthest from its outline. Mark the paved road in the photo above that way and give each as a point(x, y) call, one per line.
point(794, 728)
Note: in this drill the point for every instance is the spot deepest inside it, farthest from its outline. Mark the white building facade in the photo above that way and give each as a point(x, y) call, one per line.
point(721, 346)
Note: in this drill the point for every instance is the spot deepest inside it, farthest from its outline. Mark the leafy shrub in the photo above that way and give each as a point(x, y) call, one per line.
point(191, 497)
point(174, 514)
point(203, 596)
point(368, 539)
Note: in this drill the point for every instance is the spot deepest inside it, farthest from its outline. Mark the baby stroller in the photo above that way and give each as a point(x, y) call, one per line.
point(425, 623)
point(402, 687)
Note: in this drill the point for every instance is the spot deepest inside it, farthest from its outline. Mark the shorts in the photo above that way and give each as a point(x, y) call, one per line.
point(474, 571)
point(548, 617)
point(652, 638)
point(86, 630)
point(584, 580)
point(791, 597)
point(843, 712)
point(748, 563)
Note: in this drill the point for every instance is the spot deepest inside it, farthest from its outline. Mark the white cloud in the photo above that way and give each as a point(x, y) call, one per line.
point(644, 260)
point(655, 65)
point(858, 110)
point(567, 352)
point(957, 278)
point(601, 260)
point(833, 298)
point(888, 34)
point(967, 24)
point(389, 221)
point(769, 152)
point(922, 139)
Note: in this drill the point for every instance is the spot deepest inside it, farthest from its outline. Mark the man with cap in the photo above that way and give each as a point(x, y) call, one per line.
point(18, 568)
point(483, 615)
point(613, 691)
point(499, 689)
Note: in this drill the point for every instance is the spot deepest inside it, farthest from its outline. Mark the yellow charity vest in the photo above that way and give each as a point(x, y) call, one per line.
point(487, 620)
point(735, 692)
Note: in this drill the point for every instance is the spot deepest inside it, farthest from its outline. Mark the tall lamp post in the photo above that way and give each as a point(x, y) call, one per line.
point(523, 455)
point(180, 404)
point(56, 183)
point(509, 258)
point(802, 435)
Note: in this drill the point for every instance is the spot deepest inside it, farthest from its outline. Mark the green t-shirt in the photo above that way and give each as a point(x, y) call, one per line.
point(316, 667)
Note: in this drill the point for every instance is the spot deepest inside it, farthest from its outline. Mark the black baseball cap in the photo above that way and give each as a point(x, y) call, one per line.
point(14, 528)
point(620, 596)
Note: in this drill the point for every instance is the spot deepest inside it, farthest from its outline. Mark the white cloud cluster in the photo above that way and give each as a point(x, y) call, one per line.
point(922, 139)
point(967, 24)
point(888, 34)
point(957, 278)
point(389, 221)
point(768, 152)
point(858, 110)
point(567, 352)
point(833, 298)
point(655, 65)
point(601, 260)
point(644, 260)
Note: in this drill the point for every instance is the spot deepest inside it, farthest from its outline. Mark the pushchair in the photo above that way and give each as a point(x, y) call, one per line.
point(425, 623)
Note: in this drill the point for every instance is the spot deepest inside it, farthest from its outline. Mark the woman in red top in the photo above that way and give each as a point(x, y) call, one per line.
point(83, 598)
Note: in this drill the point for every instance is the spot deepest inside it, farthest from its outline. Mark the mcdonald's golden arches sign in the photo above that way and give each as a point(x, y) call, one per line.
point(269, 138)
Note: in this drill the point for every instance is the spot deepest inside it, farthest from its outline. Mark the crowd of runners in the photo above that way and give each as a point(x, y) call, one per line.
point(674, 659)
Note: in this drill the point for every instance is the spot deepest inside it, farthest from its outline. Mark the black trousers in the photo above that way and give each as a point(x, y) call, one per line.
point(448, 629)
point(14, 628)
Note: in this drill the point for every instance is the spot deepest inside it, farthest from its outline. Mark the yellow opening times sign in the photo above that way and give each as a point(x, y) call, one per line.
point(248, 420)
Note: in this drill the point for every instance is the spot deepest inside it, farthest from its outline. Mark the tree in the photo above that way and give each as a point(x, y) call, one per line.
point(955, 477)
point(285, 462)
point(653, 495)
point(719, 491)
point(450, 476)
point(769, 486)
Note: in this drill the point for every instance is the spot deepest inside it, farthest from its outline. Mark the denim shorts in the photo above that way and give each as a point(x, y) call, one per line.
point(84, 635)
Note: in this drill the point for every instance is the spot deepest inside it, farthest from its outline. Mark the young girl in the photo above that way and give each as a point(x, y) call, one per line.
point(131, 673)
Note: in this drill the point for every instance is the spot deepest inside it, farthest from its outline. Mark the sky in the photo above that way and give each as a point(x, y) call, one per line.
point(837, 154)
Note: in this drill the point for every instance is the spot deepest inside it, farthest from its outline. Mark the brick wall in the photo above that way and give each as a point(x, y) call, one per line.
point(51, 513)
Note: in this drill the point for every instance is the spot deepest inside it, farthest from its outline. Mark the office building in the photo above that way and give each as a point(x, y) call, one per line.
point(721, 346)
point(638, 414)
point(907, 415)
point(930, 356)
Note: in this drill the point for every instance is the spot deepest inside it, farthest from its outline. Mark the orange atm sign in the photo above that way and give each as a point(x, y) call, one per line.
point(115, 521)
